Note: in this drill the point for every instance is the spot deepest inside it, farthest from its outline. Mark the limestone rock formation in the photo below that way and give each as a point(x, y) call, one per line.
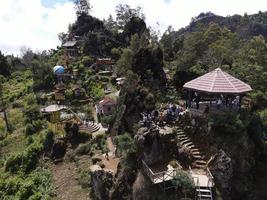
point(101, 182)
point(150, 139)
point(123, 186)
point(222, 170)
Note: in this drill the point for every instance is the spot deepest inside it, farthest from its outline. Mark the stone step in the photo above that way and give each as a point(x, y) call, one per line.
point(198, 166)
point(194, 150)
point(197, 156)
point(205, 196)
point(90, 128)
point(196, 153)
point(203, 190)
point(185, 141)
point(183, 137)
point(189, 145)
point(201, 162)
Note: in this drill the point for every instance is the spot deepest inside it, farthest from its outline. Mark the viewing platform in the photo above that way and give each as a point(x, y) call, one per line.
point(156, 175)
point(201, 177)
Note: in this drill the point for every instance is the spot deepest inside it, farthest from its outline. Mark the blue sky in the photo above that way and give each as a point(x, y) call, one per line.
point(51, 3)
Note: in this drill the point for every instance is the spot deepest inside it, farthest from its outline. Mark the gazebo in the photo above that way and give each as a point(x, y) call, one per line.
point(219, 84)
point(54, 112)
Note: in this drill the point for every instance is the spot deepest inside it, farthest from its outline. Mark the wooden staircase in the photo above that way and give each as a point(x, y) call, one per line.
point(202, 177)
point(185, 141)
point(204, 193)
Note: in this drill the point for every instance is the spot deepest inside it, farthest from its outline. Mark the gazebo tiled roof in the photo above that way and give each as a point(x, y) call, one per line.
point(218, 81)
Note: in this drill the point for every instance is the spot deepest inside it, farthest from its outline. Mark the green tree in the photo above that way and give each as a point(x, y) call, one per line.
point(125, 62)
point(183, 182)
point(135, 43)
point(4, 66)
point(43, 75)
point(124, 13)
point(3, 105)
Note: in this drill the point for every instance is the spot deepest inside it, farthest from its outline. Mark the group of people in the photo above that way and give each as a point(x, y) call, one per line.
point(165, 115)
point(228, 101)
point(221, 100)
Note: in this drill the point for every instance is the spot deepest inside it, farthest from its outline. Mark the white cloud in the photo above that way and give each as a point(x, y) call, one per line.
point(178, 13)
point(29, 23)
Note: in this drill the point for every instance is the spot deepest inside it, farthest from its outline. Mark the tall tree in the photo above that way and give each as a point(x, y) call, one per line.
point(124, 14)
point(26, 55)
point(3, 108)
point(4, 66)
point(82, 6)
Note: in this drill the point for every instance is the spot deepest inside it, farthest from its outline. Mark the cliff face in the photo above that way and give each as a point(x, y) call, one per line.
point(235, 141)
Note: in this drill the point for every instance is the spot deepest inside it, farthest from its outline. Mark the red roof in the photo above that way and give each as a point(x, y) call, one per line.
point(106, 101)
point(218, 81)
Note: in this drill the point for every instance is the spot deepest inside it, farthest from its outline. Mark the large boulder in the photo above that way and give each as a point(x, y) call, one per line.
point(122, 189)
point(149, 139)
point(222, 170)
point(101, 182)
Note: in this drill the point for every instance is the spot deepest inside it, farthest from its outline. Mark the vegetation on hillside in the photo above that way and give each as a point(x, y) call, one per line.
point(236, 44)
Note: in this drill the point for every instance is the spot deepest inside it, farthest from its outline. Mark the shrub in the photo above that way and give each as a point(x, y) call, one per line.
point(84, 178)
point(83, 149)
point(183, 181)
point(69, 94)
point(107, 119)
point(70, 156)
point(29, 130)
point(48, 139)
point(227, 123)
point(2, 125)
point(99, 142)
point(16, 118)
point(30, 140)
point(26, 160)
point(125, 143)
point(38, 124)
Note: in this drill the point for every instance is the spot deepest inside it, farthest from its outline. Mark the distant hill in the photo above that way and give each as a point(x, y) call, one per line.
point(245, 26)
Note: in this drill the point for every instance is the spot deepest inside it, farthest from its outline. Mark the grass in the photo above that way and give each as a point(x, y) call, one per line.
point(2, 126)
point(13, 144)
point(17, 86)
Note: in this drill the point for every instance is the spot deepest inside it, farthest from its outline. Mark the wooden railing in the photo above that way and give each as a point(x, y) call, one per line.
point(210, 177)
point(160, 176)
point(196, 180)
point(148, 171)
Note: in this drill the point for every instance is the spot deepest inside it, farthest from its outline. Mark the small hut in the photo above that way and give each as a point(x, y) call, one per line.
point(106, 106)
point(71, 48)
point(105, 64)
point(54, 112)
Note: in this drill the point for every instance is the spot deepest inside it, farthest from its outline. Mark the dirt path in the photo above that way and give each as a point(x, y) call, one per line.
point(65, 177)
point(111, 162)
